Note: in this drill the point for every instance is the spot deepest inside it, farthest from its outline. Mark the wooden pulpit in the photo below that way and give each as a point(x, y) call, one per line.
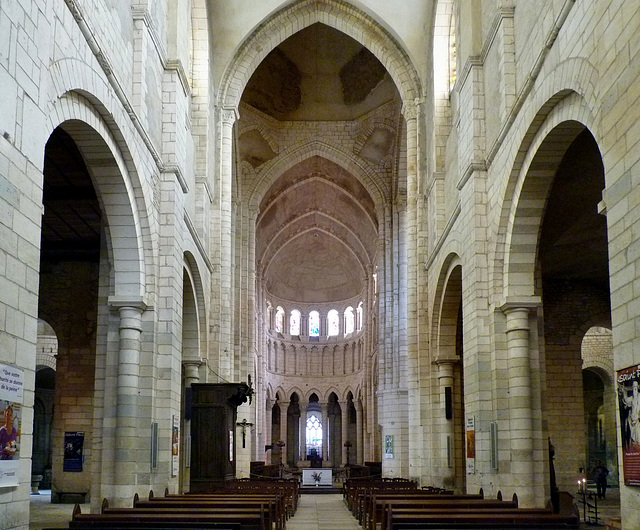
point(213, 428)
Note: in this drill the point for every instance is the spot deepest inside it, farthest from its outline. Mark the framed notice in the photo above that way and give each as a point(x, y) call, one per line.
point(471, 445)
point(11, 397)
point(388, 446)
point(73, 451)
point(628, 382)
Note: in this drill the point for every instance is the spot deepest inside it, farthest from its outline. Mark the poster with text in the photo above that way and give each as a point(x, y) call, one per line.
point(628, 381)
point(471, 444)
point(73, 451)
point(175, 447)
point(11, 396)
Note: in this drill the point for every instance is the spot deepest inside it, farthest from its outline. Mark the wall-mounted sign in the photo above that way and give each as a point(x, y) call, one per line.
point(11, 396)
point(388, 446)
point(471, 444)
point(73, 451)
point(628, 381)
point(175, 446)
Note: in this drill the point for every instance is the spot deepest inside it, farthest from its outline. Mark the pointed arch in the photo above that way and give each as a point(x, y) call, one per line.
point(289, 158)
point(338, 15)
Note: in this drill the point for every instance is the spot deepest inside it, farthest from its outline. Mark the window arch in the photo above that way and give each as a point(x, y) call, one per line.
point(314, 324)
point(279, 325)
point(349, 321)
point(359, 315)
point(333, 323)
point(294, 322)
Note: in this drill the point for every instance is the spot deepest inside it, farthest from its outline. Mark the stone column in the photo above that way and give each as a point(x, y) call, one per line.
point(344, 406)
point(225, 346)
point(127, 411)
point(302, 435)
point(325, 433)
point(191, 372)
point(445, 377)
point(521, 417)
point(359, 433)
point(268, 429)
point(284, 407)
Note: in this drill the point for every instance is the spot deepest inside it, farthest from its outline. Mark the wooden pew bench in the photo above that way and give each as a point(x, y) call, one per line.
point(372, 511)
point(273, 504)
point(479, 520)
point(254, 521)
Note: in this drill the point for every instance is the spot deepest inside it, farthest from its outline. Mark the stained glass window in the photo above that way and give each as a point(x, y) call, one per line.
point(333, 322)
point(314, 324)
point(314, 434)
point(294, 322)
point(279, 320)
point(359, 315)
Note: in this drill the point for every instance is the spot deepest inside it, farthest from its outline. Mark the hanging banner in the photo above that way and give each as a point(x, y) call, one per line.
point(73, 451)
point(11, 396)
point(628, 381)
point(471, 445)
point(175, 447)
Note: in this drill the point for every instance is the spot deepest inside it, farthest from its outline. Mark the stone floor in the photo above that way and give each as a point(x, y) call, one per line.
point(320, 512)
point(43, 514)
point(315, 512)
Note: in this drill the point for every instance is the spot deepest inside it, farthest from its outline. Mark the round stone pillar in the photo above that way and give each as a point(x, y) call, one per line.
point(520, 412)
point(302, 432)
point(445, 378)
point(127, 411)
point(359, 434)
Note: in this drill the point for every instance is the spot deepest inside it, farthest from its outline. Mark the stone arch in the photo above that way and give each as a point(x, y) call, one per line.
point(328, 392)
point(193, 270)
point(336, 14)
point(447, 306)
point(191, 313)
point(527, 193)
point(568, 92)
point(315, 229)
point(296, 390)
point(75, 79)
point(119, 194)
point(357, 167)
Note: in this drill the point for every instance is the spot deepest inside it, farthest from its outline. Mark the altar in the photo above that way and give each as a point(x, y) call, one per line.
point(324, 474)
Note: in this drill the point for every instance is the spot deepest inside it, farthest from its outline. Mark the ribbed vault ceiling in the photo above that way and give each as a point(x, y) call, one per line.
point(316, 233)
point(317, 229)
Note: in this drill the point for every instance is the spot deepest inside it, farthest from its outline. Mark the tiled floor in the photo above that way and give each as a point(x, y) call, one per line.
point(322, 512)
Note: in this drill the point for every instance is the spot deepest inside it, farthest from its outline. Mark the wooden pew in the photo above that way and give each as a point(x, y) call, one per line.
point(227, 521)
point(354, 490)
point(274, 502)
point(514, 519)
point(372, 511)
point(382, 502)
point(228, 506)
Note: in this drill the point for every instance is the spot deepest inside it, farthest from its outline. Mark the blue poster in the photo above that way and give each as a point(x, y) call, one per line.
point(73, 449)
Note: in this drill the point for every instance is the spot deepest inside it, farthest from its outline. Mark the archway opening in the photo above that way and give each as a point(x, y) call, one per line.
point(72, 231)
point(573, 278)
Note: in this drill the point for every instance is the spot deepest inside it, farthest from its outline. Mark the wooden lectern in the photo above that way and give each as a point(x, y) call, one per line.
point(213, 426)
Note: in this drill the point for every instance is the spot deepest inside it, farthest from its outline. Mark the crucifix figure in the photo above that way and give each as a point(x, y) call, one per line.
point(244, 424)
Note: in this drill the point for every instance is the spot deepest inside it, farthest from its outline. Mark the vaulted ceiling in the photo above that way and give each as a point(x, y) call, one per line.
point(317, 230)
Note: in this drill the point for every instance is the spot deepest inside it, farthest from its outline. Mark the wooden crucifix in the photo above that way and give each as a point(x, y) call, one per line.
point(244, 424)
